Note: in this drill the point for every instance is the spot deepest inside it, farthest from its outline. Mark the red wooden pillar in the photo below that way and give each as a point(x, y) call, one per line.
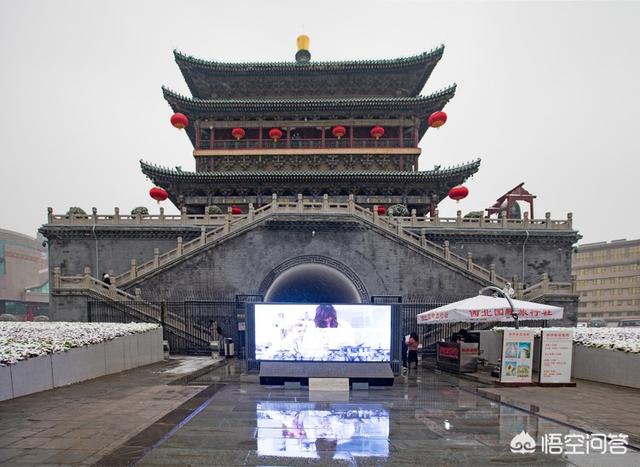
point(212, 137)
point(197, 128)
point(401, 136)
point(260, 137)
point(288, 138)
point(322, 145)
point(351, 136)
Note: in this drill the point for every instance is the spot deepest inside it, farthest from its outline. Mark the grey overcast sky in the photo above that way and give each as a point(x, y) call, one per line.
point(548, 94)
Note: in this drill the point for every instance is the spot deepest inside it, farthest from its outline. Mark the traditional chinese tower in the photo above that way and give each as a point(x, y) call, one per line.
point(310, 128)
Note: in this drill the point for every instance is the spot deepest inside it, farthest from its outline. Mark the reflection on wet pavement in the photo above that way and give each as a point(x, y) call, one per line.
point(424, 419)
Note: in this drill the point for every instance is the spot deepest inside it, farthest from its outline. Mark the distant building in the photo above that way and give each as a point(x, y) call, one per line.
point(608, 280)
point(24, 276)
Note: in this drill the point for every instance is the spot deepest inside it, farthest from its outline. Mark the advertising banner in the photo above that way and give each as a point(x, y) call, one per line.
point(517, 356)
point(555, 356)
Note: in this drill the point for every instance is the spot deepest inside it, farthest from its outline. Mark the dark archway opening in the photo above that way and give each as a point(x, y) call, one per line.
point(312, 283)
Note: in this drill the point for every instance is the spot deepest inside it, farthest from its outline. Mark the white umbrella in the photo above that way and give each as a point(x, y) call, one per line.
point(483, 309)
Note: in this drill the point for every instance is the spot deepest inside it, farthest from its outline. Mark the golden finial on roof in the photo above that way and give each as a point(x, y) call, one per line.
point(303, 55)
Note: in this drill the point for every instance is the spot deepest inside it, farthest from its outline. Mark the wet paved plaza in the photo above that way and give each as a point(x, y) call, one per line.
point(425, 419)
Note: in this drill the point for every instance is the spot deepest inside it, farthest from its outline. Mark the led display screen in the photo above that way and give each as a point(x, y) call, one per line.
point(322, 430)
point(330, 333)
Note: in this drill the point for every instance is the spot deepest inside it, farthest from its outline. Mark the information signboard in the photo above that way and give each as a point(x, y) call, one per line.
point(555, 356)
point(517, 356)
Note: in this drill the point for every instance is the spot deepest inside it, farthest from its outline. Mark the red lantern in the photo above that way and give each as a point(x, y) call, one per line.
point(437, 119)
point(377, 132)
point(458, 192)
point(159, 194)
point(238, 133)
point(275, 134)
point(235, 210)
point(179, 120)
point(382, 210)
point(339, 131)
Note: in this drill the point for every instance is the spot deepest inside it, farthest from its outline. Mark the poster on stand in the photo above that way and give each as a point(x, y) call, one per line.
point(555, 356)
point(517, 356)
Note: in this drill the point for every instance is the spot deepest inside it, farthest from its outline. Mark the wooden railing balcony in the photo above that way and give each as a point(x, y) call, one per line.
point(305, 143)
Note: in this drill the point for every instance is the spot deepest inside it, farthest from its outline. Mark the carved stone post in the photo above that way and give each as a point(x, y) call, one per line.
point(375, 214)
point(545, 281)
point(251, 214)
point(436, 217)
point(94, 214)
point(414, 219)
point(325, 203)
point(525, 220)
point(156, 257)
point(351, 204)
point(547, 219)
point(274, 202)
point(87, 277)
point(423, 238)
point(56, 277)
point(138, 293)
point(183, 214)
point(203, 235)
point(179, 247)
point(116, 215)
point(299, 204)
point(492, 272)
point(570, 220)
point(447, 252)
point(134, 268)
point(459, 218)
point(161, 215)
point(49, 215)
point(469, 261)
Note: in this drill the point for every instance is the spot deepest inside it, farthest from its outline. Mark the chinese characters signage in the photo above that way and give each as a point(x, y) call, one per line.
point(517, 356)
point(555, 358)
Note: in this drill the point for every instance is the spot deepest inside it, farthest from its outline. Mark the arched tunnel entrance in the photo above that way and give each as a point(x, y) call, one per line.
point(312, 283)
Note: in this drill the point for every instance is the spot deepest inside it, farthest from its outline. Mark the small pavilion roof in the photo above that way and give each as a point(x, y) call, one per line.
point(404, 76)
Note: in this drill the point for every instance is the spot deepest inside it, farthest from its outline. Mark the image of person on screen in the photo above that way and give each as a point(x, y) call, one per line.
point(330, 338)
point(326, 317)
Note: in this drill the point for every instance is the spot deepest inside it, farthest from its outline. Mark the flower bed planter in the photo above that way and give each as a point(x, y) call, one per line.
point(606, 366)
point(136, 345)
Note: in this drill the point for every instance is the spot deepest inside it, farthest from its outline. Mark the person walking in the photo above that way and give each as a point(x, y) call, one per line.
point(412, 344)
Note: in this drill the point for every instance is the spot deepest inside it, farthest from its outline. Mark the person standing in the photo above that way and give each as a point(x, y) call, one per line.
point(405, 349)
point(413, 349)
point(106, 279)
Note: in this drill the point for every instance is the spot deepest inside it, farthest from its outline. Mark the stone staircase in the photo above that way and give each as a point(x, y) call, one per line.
point(237, 224)
point(132, 305)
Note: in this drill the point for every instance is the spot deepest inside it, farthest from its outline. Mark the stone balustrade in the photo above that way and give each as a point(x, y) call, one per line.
point(303, 206)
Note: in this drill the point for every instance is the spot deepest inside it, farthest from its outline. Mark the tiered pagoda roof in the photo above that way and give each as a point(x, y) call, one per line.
point(457, 174)
point(304, 102)
point(312, 108)
point(400, 77)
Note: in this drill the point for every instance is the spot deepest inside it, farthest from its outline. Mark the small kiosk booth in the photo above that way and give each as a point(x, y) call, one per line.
point(461, 356)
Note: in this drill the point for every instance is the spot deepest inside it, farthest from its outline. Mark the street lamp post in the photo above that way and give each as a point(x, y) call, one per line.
point(506, 294)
